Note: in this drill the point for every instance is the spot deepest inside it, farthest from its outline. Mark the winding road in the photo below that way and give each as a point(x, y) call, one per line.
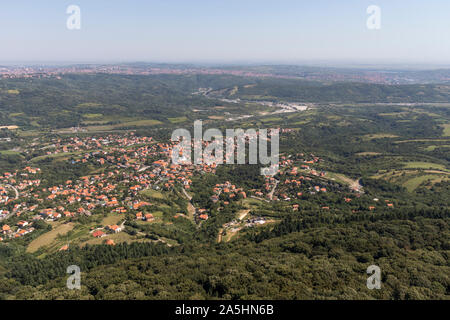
point(17, 197)
point(273, 190)
point(15, 190)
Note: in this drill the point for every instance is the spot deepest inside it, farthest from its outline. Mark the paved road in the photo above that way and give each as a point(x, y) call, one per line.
point(273, 190)
point(186, 194)
point(356, 185)
point(258, 198)
point(143, 169)
point(15, 190)
point(6, 217)
point(17, 197)
point(243, 213)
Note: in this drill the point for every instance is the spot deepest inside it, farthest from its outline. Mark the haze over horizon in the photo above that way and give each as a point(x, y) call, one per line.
point(324, 32)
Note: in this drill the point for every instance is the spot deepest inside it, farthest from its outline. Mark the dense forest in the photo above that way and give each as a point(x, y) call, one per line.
point(318, 259)
point(339, 92)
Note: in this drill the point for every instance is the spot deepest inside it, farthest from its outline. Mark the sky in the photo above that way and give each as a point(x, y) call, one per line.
point(226, 31)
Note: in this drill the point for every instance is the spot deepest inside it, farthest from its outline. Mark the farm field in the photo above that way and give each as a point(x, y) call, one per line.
point(413, 183)
point(153, 194)
point(446, 132)
point(48, 238)
point(424, 165)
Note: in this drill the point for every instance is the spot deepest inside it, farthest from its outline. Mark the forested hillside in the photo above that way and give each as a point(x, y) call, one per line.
point(336, 92)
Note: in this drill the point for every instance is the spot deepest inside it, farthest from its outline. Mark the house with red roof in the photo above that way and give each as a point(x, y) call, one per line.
point(98, 234)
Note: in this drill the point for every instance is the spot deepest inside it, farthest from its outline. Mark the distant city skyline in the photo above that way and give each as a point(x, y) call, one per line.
point(324, 32)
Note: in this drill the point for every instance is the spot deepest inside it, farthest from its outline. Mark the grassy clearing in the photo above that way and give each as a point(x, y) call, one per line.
point(34, 123)
point(411, 179)
point(422, 140)
point(415, 182)
point(230, 234)
point(242, 214)
point(379, 136)
point(153, 194)
point(111, 219)
point(446, 132)
point(28, 133)
point(157, 214)
point(116, 237)
point(17, 114)
point(88, 105)
point(364, 154)
point(423, 165)
point(191, 211)
point(299, 123)
point(165, 206)
point(431, 148)
point(434, 147)
point(48, 238)
point(136, 123)
point(92, 115)
point(141, 123)
point(9, 153)
point(105, 119)
point(272, 119)
point(338, 177)
point(394, 114)
point(334, 117)
point(59, 156)
point(178, 119)
point(252, 203)
point(216, 117)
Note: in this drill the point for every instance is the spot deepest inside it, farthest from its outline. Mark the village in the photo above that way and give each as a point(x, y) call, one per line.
point(127, 166)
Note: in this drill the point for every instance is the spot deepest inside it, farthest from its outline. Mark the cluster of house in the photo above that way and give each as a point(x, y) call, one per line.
point(89, 144)
point(144, 216)
point(11, 183)
point(229, 190)
point(126, 171)
point(389, 204)
point(22, 228)
point(100, 233)
point(202, 214)
point(4, 194)
point(126, 166)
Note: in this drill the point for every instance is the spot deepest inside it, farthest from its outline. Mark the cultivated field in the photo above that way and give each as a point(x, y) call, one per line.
point(47, 238)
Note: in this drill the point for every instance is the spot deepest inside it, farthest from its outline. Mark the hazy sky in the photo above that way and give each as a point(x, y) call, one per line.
point(226, 31)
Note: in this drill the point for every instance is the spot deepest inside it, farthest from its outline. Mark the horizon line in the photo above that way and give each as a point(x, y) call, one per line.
point(237, 63)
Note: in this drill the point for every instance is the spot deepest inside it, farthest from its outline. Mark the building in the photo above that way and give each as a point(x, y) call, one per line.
point(114, 228)
point(98, 234)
